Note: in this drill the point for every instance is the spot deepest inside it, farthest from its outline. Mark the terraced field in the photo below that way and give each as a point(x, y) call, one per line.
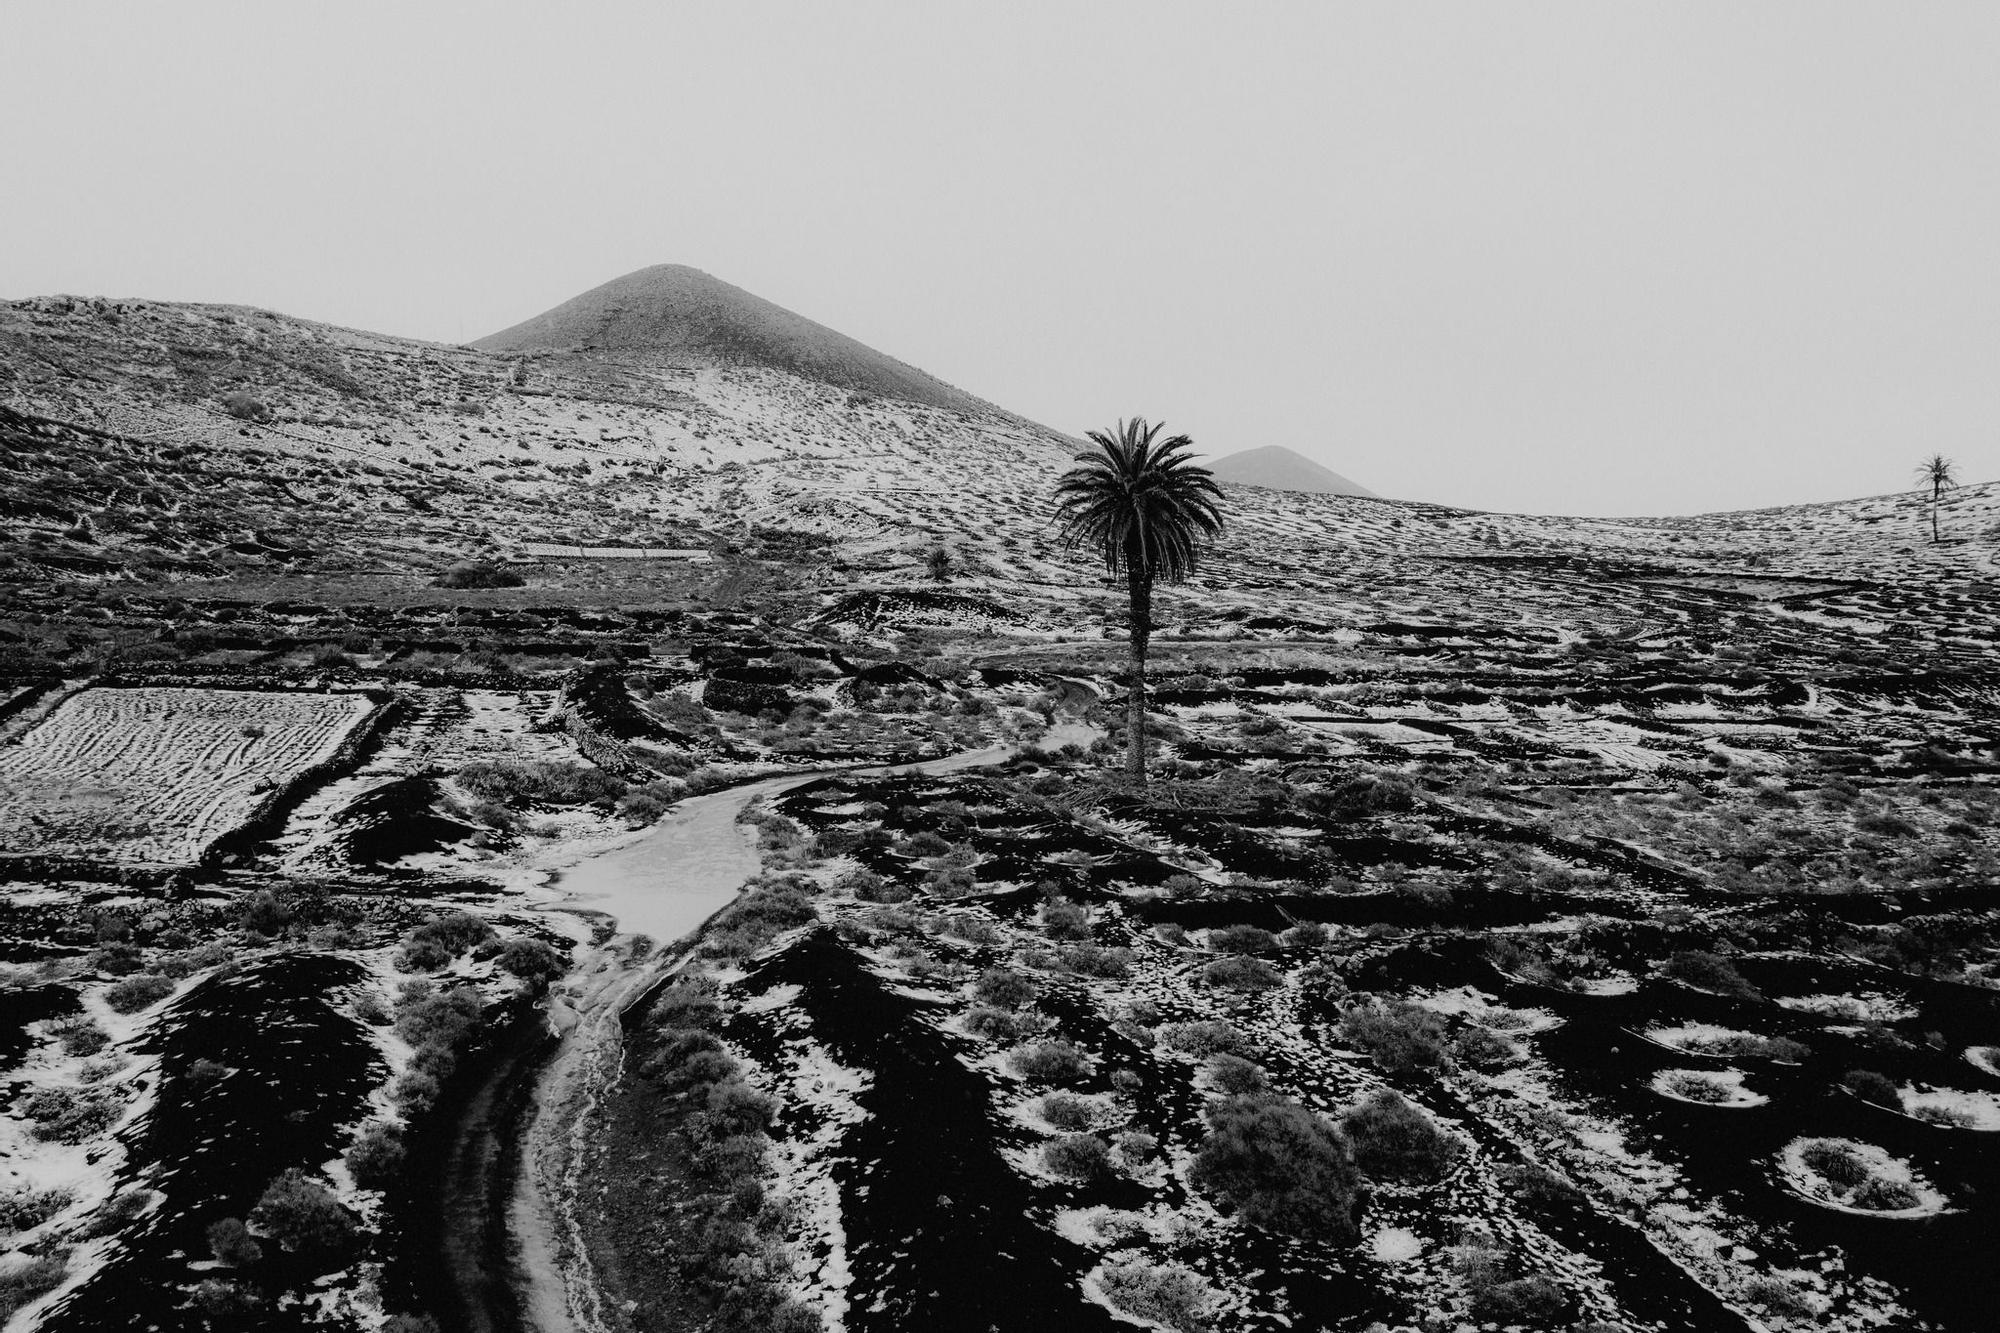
point(152, 774)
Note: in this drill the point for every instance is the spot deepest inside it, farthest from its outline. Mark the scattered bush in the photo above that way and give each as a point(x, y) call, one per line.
point(70, 1115)
point(1870, 1086)
point(1233, 1076)
point(79, 1035)
point(479, 574)
point(1836, 1163)
point(135, 993)
point(1065, 1111)
point(1242, 939)
point(231, 1243)
point(1305, 935)
point(1078, 1156)
point(1482, 1048)
point(375, 1158)
point(1091, 960)
point(1777, 1297)
point(1164, 1294)
point(1401, 1037)
point(1003, 989)
point(1065, 920)
point(204, 1071)
point(301, 1214)
point(1049, 1062)
point(1278, 1166)
point(540, 782)
point(1536, 1188)
point(24, 1210)
point(1202, 1038)
point(924, 843)
point(1707, 971)
point(687, 1002)
point(22, 1283)
point(999, 1024)
point(266, 914)
point(532, 960)
point(1533, 1302)
point(1393, 1140)
point(1243, 973)
point(1695, 1087)
point(1885, 1196)
point(245, 406)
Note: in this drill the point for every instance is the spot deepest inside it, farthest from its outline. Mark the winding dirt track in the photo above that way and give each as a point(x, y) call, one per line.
point(707, 856)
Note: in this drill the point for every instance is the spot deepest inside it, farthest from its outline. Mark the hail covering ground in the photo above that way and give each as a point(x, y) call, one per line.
point(1660, 828)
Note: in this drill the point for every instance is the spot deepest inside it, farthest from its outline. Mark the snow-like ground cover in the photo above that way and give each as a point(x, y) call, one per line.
point(1855, 1177)
point(155, 774)
point(1475, 1006)
point(1866, 1007)
point(1708, 1040)
point(1954, 1108)
point(1707, 1087)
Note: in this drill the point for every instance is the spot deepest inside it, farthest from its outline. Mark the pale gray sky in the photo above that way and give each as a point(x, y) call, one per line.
point(1607, 258)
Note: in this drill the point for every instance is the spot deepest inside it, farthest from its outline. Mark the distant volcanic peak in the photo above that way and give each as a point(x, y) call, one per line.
point(1282, 470)
point(681, 315)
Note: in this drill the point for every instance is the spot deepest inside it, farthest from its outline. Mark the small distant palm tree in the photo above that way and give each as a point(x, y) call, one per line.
point(1147, 511)
point(1938, 473)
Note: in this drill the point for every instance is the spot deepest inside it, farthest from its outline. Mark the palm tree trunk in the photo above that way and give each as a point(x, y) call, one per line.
point(1139, 585)
point(1937, 494)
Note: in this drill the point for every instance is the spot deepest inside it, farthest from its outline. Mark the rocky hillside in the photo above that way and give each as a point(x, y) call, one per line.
point(679, 315)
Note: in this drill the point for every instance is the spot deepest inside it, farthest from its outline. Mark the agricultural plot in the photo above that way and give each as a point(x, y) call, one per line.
point(156, 774)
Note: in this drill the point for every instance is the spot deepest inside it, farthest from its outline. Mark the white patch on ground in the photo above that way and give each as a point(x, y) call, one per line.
point(1475, 1006)
point(1809, 1184)
point(1981, 1109)
point(1727, 1082)
point(1866, 1007)
point(1395, 1245)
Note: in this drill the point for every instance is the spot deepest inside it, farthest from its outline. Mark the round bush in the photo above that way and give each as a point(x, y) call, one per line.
point(532, 960)
point(375, 1158)
point(1243, 973)
point(1078, 1156)
point(1870, 1086)
point(1233, 1076)
point(1003, 989)
point(301, 1214)
point(1483, 1048)
point(1280, 1167)
point(1393, 1140)
point(1202, 1038)
point(1049, 1062)
point(1164, 1294)
point(231, 1243)
point(135, 993)
point(1065, 1111)
point(1242, 939)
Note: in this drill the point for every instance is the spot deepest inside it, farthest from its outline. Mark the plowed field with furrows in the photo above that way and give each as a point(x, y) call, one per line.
point(156, 774)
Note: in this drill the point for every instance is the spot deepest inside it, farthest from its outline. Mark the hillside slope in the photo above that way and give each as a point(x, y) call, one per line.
point(1280, 469)
point(672, 314)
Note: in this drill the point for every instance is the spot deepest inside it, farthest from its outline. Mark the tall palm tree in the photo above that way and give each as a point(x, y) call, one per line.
point(1142, 506)
point(1938, 473)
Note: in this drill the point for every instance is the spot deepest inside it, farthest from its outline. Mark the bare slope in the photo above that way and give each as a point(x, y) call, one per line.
point(680, 315)
point(1282, 470)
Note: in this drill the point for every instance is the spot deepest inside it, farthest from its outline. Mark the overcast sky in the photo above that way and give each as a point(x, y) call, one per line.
point(1594, 258)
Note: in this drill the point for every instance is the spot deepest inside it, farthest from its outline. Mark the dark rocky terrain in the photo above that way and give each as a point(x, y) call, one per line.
point(1588, 921)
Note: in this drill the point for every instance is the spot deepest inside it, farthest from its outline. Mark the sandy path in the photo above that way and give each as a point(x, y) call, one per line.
point(662, 885)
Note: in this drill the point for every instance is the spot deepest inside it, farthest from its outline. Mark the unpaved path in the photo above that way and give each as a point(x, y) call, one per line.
point(661, 886)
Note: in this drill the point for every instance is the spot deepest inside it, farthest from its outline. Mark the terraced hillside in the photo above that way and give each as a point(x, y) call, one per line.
point(1531, 922)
